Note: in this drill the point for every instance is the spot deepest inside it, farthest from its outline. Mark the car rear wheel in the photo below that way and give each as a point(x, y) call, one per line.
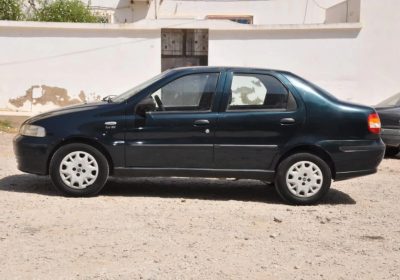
point(78, 170)
point(303, 179)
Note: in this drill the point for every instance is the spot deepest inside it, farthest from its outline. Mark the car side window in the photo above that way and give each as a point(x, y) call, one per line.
point(193, 92)
point(259, 91)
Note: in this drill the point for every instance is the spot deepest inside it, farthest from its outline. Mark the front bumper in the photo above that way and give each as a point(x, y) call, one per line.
point(391, 137)
point(32, 154)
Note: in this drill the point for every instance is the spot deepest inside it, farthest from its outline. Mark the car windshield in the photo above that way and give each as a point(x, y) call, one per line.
point(390, 102)
point(128, 94)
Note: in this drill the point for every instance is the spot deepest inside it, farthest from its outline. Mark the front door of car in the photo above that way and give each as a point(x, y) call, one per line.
point(179, 131)
point(258, 117)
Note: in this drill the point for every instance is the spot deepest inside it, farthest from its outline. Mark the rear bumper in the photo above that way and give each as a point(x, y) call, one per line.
point(31, 154)
point(391, 137)
point(355, 158)
point(352, 174)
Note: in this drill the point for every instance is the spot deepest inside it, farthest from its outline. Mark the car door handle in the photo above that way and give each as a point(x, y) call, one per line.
point(201, 122)
point(287, 121)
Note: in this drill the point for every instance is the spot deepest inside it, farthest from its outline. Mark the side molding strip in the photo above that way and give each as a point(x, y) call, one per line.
point(256, 174)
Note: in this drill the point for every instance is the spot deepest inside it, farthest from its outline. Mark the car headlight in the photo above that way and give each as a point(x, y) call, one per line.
point(32, 130)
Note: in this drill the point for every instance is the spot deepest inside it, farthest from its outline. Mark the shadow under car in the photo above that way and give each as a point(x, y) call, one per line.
point(186, 188)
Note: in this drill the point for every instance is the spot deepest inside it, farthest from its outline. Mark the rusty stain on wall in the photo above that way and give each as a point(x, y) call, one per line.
point(55, 95)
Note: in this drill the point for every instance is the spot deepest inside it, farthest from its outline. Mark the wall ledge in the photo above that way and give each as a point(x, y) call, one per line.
point(217, 25)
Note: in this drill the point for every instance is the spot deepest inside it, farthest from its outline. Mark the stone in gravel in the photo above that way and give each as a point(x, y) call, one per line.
point(276, 220)
point(372, 237)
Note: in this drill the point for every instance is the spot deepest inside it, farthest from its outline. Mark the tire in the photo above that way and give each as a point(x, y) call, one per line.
point(305, 188)
point(391, 151)
point(78, 170)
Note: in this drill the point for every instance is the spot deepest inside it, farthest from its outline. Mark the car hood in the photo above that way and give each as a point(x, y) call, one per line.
point(67, 110)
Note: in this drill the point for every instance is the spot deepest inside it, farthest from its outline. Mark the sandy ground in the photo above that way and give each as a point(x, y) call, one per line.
point(197, 229)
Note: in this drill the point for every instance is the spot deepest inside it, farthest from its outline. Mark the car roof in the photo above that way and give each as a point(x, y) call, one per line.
point(194, 69)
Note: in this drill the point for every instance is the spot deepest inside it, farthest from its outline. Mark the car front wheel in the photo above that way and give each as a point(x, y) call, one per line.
point(78, 170)
point(303, 179)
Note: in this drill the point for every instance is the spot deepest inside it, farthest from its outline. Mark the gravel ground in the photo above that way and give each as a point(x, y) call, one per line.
point(152, 228)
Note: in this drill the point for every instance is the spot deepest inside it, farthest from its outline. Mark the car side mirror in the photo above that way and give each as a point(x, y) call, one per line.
point(146, 105)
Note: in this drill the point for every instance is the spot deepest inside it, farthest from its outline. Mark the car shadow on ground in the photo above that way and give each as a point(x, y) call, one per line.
point(185, 188)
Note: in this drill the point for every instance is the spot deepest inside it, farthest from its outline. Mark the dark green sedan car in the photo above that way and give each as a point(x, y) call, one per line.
point(207, 122)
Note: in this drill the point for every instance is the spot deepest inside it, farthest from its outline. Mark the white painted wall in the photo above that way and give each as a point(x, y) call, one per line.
point(96, 61)
point(378, 50)
point(263, 11)
point(131, 13)
point(123, 10)
point(360, 66)
point(326, 57)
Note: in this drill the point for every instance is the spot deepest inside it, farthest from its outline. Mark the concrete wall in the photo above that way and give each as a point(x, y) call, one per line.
point(131, 13)
point(263, 11)
point(355, 65)
point(326, 57)
point(123, 11)
point(72, 64)
point(347, 11)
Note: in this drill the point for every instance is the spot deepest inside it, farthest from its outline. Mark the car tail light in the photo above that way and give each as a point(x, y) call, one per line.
point(374, 123)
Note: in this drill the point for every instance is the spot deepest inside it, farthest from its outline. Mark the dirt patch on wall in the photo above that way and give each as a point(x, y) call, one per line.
point(42, 95)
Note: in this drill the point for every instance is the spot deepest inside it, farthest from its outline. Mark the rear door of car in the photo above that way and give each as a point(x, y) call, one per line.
point(258, 116)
